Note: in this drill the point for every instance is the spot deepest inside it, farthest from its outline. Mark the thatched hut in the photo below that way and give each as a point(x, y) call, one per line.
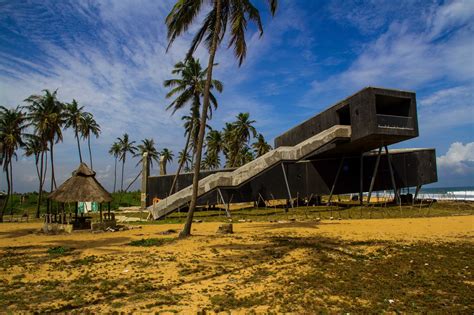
point(82, 186)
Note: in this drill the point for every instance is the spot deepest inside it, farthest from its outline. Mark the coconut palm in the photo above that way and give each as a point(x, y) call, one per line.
point(148, 146)
point(115, 151)
point(236, 13)
point(46, 114)
point(260, 146)
point(35, 147)
point(12, 125)
point(74, 118)
point(211, 161)
point(231, 146)
point(214, 146)
point(244, 128)
point(126, 146)
point(188, 89)
point(165, 157)
point(245, 156)
point(89, 127)
point(185, 159)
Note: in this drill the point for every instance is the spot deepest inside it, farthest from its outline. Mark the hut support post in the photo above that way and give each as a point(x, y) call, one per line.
point(392, 176)
point(335, 180)
point(372, 181)
point(287, 185)
point(100, 210)
point(76, 209)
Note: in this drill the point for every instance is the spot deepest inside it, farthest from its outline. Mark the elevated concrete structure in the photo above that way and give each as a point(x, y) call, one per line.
point(332, 152)
point(245, 173)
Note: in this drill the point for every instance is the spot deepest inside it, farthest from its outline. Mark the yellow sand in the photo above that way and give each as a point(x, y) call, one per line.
point(205, 252)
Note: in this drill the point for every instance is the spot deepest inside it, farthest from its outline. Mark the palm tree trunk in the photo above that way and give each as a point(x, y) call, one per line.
point(133, 181)
point(202, 128)
point(78, 146)
point(181, 163)
point(90, 153)
point(123, 167)
point(53, 179)
point(45, 168)
point(8, 189)
point(11, 187)
point(40, 191)
point(115, 173)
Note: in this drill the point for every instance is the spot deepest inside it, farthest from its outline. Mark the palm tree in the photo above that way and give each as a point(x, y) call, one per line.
point(35, 147)
point(115, 151)
point(214, 146)
point(12, 124)
point(185, 159)
point(75, 117)
point(231, 146)
point(245, 155)
point(126, 146)
point(165, 157)
point(243, 131)
point(190, 86)
point(213, 29)
point(46, 113)
point(211, 161)
point(90, 127)
point(148, 146)
point(260, 146)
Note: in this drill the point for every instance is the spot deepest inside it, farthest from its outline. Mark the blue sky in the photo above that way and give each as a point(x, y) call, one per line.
point(110, 56)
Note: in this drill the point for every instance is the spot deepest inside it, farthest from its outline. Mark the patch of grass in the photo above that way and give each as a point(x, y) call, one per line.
point(59, 250)
point(86, 261)
point(147, 242)
point(229, 301)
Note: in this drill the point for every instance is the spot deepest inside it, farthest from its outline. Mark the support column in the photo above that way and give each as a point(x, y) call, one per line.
point(286, 182)
point(145, 174)
point(392, 176)
point(335, 180)
point(227, 205)
point(417, 191)
point(374, 175)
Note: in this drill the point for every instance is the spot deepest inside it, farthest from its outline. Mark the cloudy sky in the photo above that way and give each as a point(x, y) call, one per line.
point(111, 57)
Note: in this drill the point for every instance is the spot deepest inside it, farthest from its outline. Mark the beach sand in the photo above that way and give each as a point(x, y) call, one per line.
point(103, 273)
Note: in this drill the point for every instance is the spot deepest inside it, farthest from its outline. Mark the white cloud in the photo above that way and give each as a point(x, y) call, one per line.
point(113, 60)
point(408, 55)
point(458, 159)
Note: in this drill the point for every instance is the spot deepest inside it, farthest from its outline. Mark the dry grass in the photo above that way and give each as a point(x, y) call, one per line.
point(391, 265)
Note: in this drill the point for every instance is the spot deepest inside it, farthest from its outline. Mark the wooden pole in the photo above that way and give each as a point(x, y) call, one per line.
point(100, 209)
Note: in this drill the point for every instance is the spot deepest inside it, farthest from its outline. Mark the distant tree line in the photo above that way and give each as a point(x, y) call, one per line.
point(36, 128)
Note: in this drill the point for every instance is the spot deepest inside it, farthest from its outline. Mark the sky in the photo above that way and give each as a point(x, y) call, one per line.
point(110, 55)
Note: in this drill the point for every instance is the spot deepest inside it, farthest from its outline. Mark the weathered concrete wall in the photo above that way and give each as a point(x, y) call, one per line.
point(366, 110)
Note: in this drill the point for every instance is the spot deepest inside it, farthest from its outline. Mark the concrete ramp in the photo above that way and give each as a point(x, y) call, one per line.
point(250, 170)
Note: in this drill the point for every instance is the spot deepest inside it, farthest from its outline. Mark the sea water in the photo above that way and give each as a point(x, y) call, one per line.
point(447, 193)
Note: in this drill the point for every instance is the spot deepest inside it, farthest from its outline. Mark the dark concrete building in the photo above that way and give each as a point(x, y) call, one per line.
point(350, 157)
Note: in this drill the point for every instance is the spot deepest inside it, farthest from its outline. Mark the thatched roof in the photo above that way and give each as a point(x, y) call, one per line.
point(82, 186)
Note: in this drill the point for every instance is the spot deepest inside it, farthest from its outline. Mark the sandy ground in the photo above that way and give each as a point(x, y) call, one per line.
point(197, 268)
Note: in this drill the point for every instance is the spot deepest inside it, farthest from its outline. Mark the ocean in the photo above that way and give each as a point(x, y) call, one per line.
point(447, 193)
